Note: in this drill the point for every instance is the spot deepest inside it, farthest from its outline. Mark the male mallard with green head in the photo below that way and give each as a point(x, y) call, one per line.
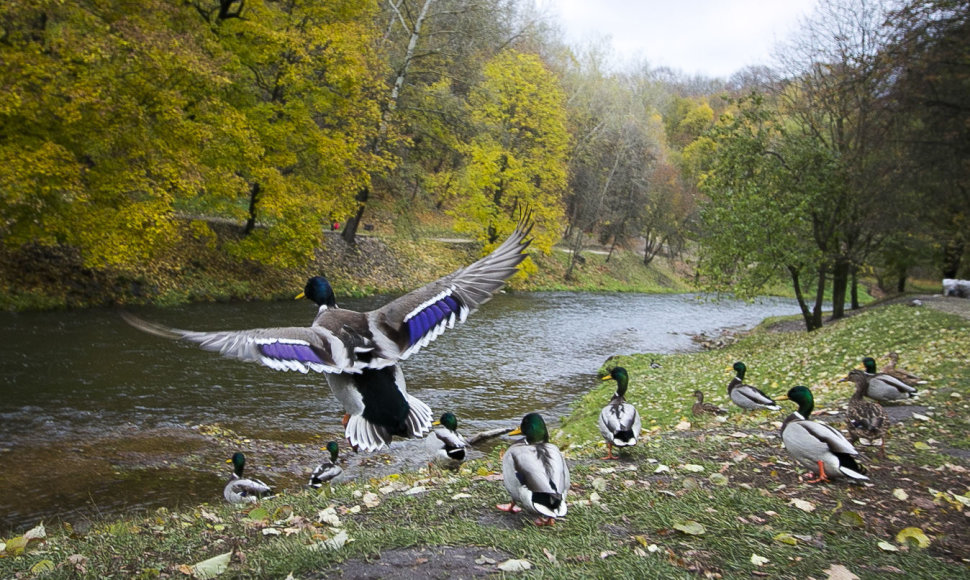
point(619, 421)
point(819, 446)
point(359, 351)
point(865, 419)
point(241, 489)
point(885, 388)
point(535, 473)
point(328, 468)
point(746, 396)
point(450, 448)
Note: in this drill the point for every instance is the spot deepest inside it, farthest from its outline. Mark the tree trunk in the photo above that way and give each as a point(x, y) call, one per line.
point(810, 320)
point(855, 288)
point(350, 228)
point(350, 232)
point(253, 203)
point(819, 297)
point(952, 255)
point(840, 282)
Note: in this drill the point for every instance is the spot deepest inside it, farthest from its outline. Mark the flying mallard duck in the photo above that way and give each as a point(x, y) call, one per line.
point(885, 388)
point(535, 473)
point(328, 468)
point(893, 370)
point(359, 351)
point(865, 419)
point(619, 421)
point(701, 408)
point(746, 396)
point(450, 446)
point(240, 489)
point(821, 447)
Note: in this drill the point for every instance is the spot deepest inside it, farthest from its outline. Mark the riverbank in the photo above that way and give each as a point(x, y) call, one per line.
point(200, 270)
point(664, 510)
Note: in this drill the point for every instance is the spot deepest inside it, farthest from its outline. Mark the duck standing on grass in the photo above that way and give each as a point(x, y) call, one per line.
point(865, 419)
point(883, 387)
point(619, 421)
point(450, 447)
point(701, 408)
point(535, 473)
point(359, 351)
point(328, 468)
point(746, 396)
point(892, 369)
point(817, 445)
point(240, 489)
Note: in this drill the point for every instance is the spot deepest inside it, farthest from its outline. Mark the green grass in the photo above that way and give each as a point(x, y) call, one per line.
point(731, 477)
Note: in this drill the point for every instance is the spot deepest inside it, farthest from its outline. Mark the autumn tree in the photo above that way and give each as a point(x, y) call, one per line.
point(517, 158)
point(102, 108)
point(304, 101)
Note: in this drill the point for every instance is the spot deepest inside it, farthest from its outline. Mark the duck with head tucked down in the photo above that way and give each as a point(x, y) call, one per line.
point(746, 396)
point(819, 446)
point(328, 468)
point(619, 421)
point(359, 352)
point(241, 489)
point(883, 387)
point(535, 473)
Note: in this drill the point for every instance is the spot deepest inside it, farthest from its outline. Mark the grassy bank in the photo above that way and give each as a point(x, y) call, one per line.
point(199, 270)
point(695, 498)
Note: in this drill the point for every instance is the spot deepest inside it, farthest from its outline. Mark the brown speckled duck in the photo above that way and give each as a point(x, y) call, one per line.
point(865, 419)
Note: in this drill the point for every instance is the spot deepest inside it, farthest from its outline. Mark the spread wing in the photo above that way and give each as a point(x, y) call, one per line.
point(417, 318)
point(293, 348)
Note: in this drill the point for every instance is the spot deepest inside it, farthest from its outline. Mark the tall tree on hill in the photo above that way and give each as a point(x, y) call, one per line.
point(836, 78)
point(305, 89)
point(930, 58)
point(517, 159)
point(765, 186)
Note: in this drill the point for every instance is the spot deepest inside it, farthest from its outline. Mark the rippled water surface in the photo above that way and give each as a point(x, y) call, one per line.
point(84, 396)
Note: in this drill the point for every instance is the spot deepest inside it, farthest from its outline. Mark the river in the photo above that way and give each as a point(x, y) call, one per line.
point(97, 417)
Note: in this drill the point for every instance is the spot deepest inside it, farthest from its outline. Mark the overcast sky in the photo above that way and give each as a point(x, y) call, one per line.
point(709, 37)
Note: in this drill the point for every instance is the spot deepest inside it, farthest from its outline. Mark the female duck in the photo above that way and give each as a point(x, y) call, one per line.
point(240, 489)
point(619, 421)
point(892, 369)
point(885, 388)
point(865, 419)
point(535, 473)
point(747, 396)
point(328, 468)
point(701, 408)
point(359, 351)
point(817, 445)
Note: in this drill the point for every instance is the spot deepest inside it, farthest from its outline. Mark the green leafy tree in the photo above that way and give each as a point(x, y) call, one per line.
point(517, 160)
point(765, 216)
point(929, 54)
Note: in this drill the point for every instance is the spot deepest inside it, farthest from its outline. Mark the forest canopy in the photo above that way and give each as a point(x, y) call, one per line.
point(125, 127)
